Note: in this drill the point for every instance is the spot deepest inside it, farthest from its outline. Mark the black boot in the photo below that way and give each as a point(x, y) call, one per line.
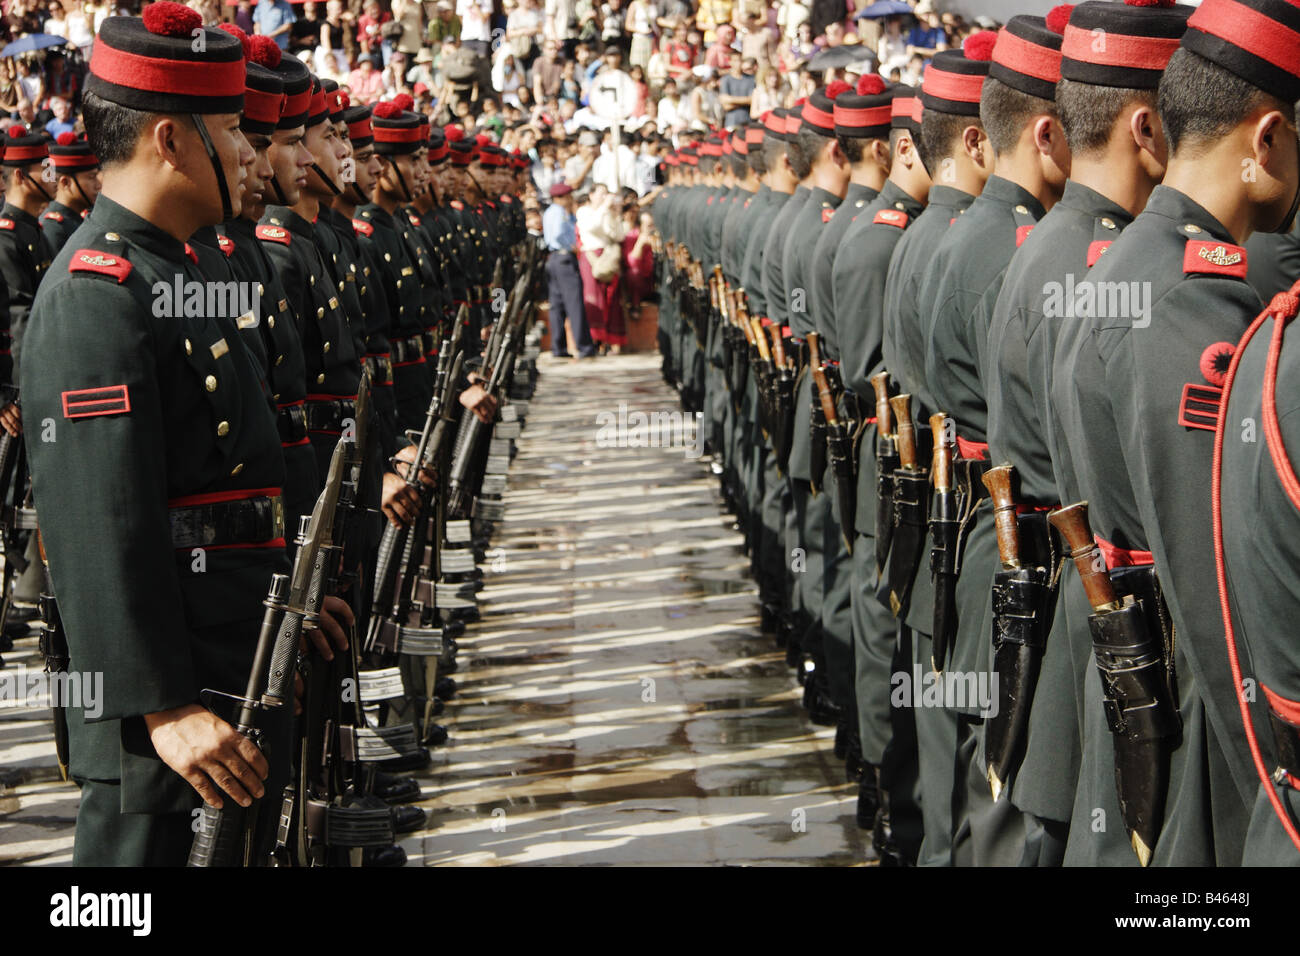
point(408, 819)
point(392, 788)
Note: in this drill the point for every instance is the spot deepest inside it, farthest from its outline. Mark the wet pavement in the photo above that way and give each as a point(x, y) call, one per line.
point(618, 704)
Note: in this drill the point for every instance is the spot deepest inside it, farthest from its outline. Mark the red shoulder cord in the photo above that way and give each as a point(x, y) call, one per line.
point(1283, 308)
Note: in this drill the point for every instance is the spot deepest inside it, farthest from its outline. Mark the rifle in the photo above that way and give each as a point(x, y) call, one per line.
point(17, 516)
point(817, 428)
point(226, 837)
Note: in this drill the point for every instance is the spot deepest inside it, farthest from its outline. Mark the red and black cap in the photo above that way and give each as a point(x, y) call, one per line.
point(794, 120)
point(150, 63)
point(1139, 40)
point(865, 112)
point(71, 154)
point(293, 74)
point(711, 147)
point(360, 132)
point(818, 114)
point(263, 99)
point(492, 156)
point(754, 134)
point(461, 152)
point(23, 148)
point(335, 99)
point(397, 133)
point(905, 109)
point(438, 148)
point(1027, 56)
point(774, 124)
point(955, 78)
point(738, 144)
point(519, 160)
point(1257, 40)
point(318, 107)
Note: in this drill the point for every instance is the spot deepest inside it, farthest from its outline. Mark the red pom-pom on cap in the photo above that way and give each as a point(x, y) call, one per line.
point(239, 35)
point(870, 84)
point(833, 90)
point(385, 110)
point(454, 133)
point(17, 130)
point(66, 138)
point(1150, 3)
point(344, 100)
point(1058, 17)
point(171, 19)
point(483, 139)
point(979, 46)
point(264, 51)
point(403, 101)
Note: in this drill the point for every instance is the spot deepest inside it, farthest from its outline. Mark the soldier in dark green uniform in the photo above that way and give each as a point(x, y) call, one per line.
point(1107, 105)
point(77, 170)
point(1031, 163)
point(1274, 262)
point(887, 735)
point(173, 409)
point(24, 253)
point(954, 147)
point(1143, 388)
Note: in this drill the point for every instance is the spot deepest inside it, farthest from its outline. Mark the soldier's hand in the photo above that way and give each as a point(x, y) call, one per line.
point(11, 419)
point(399, 502)
point(336, 619)
point(210, 754)
point(478, 401)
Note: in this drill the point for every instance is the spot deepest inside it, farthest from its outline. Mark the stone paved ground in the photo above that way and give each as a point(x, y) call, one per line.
point(617, 704)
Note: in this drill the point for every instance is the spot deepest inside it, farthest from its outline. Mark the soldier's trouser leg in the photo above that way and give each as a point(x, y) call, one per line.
point(837, 615)
point(936, 744)
point(773, 525)
point(108, 837)
point(989, 834)
point(795, 556)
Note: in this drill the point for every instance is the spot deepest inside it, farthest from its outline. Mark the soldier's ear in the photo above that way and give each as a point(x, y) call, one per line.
point(1273, 140)
point(168, 140)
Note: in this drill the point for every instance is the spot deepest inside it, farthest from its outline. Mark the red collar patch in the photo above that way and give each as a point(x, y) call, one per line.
point(51, 214)
point(89, 260)
point(193, 256)
point(227, 245)
point(1022, 233)
point(363, 228)
point(508, 200)
point(1095, 249)
point(892, 217)
point(457, 204)
point(6, 224)
point(415, 220)
point(827, 213)
point(273, 234)
point(1214, 258)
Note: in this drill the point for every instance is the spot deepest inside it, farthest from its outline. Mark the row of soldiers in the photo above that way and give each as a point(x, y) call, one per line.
point(249, 301)
point(965, 355)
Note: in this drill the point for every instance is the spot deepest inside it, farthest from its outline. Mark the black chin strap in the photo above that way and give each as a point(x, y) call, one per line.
point(1289, 220)
point(77, 182)
point(227, 210)
point(326, 180)
point(279, 193)
point(28, 176)
point(360, 197)
point(402, 180)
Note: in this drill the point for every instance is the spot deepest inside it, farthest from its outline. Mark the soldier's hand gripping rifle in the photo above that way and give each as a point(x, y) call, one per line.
point(886, 464)
point(911, 508)
point(839, 446)
point(227, 837)
point(1024, 596)
point(945, 536)
point(764, 368)
point(1128, 627)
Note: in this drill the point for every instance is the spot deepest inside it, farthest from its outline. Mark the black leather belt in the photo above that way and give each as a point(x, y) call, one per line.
point(256, 519)
point(410, 349)
point(328, 414)
point(381, 368)
point(292, 422)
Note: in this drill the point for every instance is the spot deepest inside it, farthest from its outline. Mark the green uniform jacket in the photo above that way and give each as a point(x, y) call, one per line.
point(133, 410)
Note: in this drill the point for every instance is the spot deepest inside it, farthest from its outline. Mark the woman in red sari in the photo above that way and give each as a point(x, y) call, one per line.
point(600, 261)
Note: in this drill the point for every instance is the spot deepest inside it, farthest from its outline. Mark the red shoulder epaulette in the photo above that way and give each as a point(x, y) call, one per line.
point(363, 228)
point(56, 216)
point(273, 233)
point(227, 245)
point(892, 217)
point(414, 219)
point(457, 204)
point(6, 224)
point(89, 260)
point(1214, 258)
